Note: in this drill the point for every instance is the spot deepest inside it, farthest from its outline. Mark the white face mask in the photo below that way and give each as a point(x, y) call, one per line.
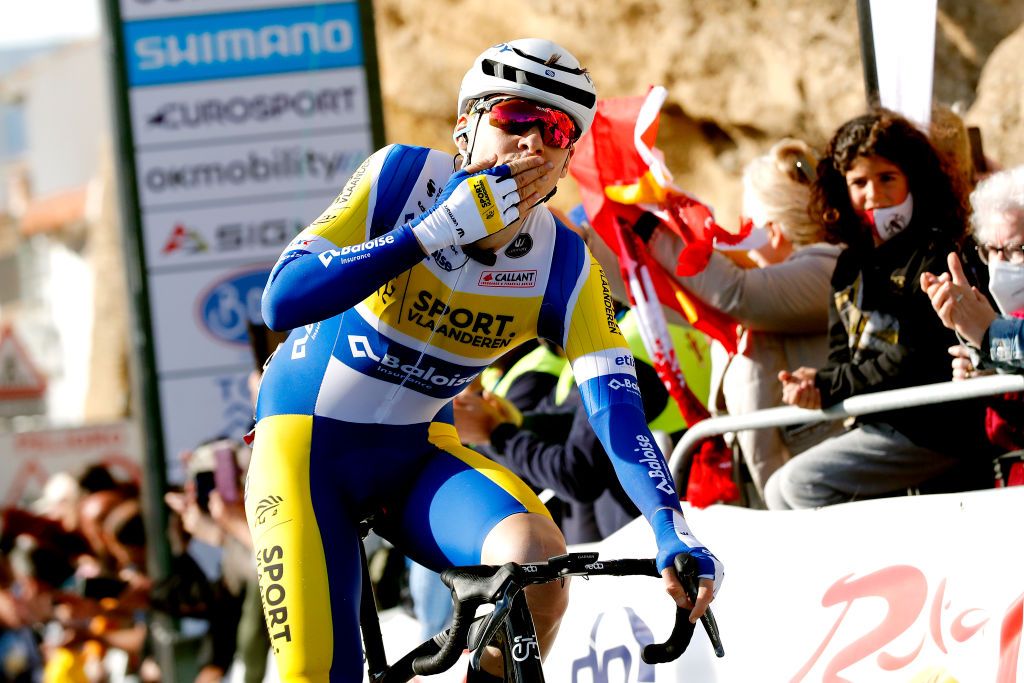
point(892, 220)
point(1006, 283)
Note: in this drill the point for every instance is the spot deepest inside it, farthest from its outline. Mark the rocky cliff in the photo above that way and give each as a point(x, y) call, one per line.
point(740, 75)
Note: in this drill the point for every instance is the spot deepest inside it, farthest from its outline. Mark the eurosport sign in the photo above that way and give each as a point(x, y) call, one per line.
point(240, 125)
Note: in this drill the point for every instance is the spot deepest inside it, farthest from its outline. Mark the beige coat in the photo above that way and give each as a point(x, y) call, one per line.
point(784, 312)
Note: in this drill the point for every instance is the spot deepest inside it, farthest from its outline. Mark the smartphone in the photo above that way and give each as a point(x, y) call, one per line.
point(205, 483)
point(226, 473)
point(99, 587)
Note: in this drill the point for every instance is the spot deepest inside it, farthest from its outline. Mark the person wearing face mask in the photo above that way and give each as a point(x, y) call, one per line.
point(426, 268)
point(881, 191)
point(782, 303)
point(991, 340)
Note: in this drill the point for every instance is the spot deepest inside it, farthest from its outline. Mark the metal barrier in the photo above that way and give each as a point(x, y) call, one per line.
point(863, 404)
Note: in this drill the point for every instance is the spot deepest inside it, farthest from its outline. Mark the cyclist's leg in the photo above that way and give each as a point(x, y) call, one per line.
point(465, 509)
point(307, 552)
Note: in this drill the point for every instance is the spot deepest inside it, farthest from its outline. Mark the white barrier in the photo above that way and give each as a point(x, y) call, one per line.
point(889, 590)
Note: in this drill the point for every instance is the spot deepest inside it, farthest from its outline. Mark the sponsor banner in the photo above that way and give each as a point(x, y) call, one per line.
point(889, 591)
point(250, 106)
point(904, 42)
point(30, 458)
point(152, 9)
point(200, 317)
point(169, 178)
point(195, 409)
point(902, 589)
point(249, 232)
point(214, 46)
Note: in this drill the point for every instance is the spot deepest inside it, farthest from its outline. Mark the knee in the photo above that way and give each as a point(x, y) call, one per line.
point(526, 537)
point(774, 498)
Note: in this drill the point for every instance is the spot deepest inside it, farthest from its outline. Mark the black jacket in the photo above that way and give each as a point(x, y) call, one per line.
point(884, 334)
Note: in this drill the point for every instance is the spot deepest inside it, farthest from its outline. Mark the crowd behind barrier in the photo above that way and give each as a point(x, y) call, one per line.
point(857, 296)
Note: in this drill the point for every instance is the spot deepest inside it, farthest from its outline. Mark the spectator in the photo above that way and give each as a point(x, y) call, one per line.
point(782, 304)
point(211, 510)
point(556, 448)
point(993, 341)
point(883, 334)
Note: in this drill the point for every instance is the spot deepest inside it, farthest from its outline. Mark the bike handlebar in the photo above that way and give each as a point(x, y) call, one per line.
point(480, 584)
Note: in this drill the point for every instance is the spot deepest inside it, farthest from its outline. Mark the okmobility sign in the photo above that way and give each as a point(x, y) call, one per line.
point(238, 126)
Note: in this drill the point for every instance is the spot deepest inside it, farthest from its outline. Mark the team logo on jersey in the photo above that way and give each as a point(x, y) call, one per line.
point(520, 246)
point(508, 278)
point(442, 260)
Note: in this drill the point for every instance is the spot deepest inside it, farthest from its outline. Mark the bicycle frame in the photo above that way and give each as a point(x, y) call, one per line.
point(510, 624)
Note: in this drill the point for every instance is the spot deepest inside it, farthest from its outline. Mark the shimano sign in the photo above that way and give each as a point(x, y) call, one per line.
point(243, 44)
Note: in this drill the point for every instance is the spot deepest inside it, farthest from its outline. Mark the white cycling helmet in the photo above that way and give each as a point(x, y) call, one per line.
point(519, 67)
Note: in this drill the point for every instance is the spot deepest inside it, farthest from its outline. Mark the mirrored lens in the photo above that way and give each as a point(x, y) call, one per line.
point(518, 116)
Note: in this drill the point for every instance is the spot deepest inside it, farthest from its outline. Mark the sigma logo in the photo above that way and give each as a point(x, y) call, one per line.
point(508, 278)
point(627, 383)
point(232, 237)
point(229, 305)
point(520, 246)
point(327, 256)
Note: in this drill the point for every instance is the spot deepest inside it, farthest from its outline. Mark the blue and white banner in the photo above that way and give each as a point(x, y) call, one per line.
point(246, 118)
point(239, 44)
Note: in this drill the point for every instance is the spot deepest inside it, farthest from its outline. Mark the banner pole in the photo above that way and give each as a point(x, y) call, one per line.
point(867, 53)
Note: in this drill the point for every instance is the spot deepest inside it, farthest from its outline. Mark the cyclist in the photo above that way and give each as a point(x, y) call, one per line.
point(424, 270)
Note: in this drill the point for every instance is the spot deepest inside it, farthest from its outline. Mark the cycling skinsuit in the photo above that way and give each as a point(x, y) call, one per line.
point(354, 409)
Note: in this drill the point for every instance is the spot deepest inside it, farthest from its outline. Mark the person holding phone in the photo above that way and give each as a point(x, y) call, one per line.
point(425, 269)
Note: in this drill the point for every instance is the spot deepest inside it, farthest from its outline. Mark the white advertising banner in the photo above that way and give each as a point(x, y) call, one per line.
point(258, 106)
point(904, 41)
point(27, 459)
point(200, 317)
point(189, 238)
point(245, 122)
point(202, 407)
point(237, 172)
point(925, 588)
point(151, 9)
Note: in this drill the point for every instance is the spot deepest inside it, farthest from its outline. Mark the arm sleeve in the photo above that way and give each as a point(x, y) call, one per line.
point(1005, 346)
point(604, 370)
point(788, 297)
point(356, 245)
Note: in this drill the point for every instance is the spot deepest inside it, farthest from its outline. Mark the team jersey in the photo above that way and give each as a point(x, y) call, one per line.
point(383, 334)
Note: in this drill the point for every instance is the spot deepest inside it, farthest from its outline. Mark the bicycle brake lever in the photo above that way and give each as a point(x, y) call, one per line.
point(686, 568)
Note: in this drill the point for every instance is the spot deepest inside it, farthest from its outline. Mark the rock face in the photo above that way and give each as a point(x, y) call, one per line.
point(740, 75)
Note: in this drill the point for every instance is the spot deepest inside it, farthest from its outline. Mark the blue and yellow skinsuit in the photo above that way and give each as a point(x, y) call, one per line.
point(354, 409)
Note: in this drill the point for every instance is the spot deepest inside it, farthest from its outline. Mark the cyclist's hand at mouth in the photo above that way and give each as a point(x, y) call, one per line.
point(481, 200)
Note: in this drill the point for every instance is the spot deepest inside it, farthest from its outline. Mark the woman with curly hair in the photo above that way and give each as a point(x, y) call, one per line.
point(882, 192)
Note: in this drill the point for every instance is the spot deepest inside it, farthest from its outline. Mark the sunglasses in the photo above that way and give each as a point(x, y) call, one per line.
point(515, 116)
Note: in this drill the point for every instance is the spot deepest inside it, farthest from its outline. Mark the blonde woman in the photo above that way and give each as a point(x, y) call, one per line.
point(782, 304)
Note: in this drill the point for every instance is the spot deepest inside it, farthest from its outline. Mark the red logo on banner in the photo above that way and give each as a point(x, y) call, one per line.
point(905, 590)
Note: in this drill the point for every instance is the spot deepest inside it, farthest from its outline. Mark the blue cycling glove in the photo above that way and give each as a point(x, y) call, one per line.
point(673, 536)
point(470, 207)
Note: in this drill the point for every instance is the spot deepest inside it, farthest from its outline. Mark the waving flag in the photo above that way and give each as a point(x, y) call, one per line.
point(626, 189)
